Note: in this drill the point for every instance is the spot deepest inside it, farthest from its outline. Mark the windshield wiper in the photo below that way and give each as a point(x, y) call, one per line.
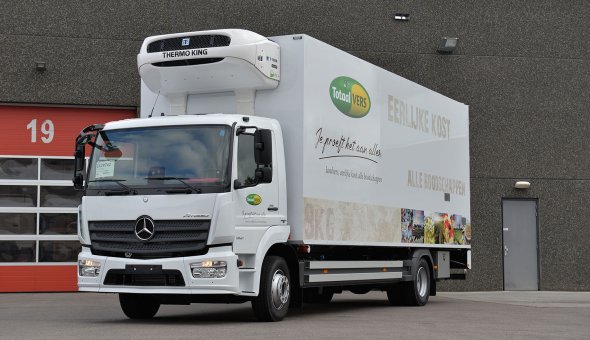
point(181, 180)
point(128, 190)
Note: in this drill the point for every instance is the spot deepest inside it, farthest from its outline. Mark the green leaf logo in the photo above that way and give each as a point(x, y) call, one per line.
point(350, 97)
point(253, 199)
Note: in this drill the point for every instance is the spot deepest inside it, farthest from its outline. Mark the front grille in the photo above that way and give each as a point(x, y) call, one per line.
point(119, 277)
point(196, 41)
point(172, 238)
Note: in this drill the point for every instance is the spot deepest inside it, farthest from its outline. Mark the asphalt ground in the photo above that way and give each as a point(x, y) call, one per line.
point(474, 315)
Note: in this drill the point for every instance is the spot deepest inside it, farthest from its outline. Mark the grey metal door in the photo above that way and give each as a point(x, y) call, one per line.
point(521, 270)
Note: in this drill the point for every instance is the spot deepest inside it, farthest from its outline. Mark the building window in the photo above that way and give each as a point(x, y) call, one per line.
point(18, 168)
point(57, 169)
point(18, 224)
point(60, 196)
point(58, 251)
point(58, 224)
point(38, 210)
point(18, 196)
point(17, 251)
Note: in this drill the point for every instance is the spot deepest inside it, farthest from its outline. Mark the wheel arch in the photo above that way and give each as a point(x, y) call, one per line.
point(273, 238)
point(287, 253)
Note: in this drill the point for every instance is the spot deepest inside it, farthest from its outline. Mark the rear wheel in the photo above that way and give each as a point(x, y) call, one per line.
point(272, 303)
point(415, 292)
point(138, 306)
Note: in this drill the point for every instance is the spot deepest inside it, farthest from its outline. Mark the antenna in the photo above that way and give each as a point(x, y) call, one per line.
point(153, 107)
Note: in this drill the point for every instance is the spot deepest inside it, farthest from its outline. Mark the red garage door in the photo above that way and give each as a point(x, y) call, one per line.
point(38, 206)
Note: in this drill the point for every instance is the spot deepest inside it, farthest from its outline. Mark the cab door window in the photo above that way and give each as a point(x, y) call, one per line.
point(246, 162)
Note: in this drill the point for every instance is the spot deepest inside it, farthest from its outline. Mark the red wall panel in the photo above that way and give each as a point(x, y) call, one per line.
point(49, 131)
point(38, 278)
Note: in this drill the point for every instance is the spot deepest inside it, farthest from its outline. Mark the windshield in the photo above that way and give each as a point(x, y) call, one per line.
point(189, 159)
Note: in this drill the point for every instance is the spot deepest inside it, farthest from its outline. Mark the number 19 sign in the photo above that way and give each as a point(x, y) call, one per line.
point(49, 131)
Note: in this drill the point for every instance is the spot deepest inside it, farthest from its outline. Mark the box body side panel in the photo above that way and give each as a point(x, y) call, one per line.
point(385, 159)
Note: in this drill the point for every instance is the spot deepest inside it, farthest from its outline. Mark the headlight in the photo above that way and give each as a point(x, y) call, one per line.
point(88, 268)
point(209, 269)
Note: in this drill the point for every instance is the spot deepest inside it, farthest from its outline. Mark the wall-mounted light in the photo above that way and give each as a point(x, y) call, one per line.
point(522, 185)
point(447, 45)
point(40, 66)
point(401, 17)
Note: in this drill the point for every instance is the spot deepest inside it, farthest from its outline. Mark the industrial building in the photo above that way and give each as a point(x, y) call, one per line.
point(522, 67)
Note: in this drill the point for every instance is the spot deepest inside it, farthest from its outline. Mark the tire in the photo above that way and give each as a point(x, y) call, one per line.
point(415, 292)
point(274, 297)
point(138, 306)
point(317, 295)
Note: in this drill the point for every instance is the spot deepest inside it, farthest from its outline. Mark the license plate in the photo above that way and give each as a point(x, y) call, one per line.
point(143, 269)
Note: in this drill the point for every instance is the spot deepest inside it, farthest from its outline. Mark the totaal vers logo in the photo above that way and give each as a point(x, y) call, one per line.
point(254, 199)
point(350, 97)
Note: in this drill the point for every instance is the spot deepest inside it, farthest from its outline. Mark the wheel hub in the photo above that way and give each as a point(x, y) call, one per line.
point(421, 281)
point(280, 289)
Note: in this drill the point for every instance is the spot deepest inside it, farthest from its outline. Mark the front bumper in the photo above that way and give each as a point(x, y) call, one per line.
point(227, 285)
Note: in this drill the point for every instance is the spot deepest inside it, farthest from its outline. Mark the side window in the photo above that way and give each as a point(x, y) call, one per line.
point(246, 163)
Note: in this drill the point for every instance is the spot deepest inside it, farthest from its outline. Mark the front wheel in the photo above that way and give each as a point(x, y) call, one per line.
point(138, 306)
point(272, 302)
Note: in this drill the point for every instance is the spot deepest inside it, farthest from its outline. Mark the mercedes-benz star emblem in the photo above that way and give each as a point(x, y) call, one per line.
point(144, 228)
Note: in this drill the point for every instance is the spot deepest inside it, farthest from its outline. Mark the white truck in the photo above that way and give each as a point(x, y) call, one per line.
point(277, 171)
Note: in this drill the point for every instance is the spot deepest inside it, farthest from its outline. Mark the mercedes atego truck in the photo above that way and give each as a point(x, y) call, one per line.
point(277, 171)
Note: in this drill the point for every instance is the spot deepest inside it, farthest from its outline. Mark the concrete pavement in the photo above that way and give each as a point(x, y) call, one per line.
point(478, 315)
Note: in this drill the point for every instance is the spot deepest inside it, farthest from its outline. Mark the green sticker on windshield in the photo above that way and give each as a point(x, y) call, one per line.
point(254, 199)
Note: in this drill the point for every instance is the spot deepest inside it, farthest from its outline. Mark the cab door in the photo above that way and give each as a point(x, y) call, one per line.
point(256, 202)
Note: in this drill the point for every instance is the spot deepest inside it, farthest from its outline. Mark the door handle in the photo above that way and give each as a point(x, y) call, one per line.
point(505, 251)
point(273, 208)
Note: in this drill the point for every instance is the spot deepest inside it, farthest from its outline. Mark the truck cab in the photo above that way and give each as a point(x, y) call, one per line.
point(170, 201)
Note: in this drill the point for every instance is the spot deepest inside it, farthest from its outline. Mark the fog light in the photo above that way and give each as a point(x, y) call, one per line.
point(209, 269)
point(89, 268)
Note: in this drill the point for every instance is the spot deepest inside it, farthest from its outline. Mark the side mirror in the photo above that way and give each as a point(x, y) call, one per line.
point(85, 137)
point(263, 175)
point(79, 164)
point(263, 147)
point(78, 182)
point(79, 157)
